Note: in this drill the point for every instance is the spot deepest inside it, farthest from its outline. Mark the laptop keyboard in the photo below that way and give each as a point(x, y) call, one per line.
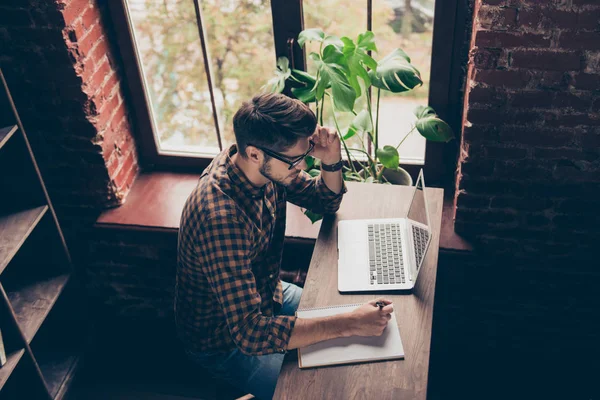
point(420, 237)
point(385, 254)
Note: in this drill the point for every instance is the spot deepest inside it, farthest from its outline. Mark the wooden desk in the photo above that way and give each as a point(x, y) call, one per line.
point(399, 379)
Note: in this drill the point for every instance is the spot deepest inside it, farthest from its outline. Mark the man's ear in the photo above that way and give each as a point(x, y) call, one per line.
point(254, 155)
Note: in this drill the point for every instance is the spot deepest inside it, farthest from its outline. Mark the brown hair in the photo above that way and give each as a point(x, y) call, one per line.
point(274, 121)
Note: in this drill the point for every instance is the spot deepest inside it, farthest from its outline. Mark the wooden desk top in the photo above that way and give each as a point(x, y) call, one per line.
point(399, 379)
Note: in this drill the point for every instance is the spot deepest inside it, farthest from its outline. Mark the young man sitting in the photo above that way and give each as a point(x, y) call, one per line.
point(234, 315)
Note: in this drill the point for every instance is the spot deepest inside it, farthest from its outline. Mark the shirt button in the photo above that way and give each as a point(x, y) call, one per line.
point(271, 276)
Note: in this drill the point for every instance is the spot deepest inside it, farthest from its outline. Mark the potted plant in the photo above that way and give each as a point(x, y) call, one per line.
point(345, 72)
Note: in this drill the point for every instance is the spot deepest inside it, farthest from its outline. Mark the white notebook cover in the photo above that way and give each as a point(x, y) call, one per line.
point(353, 349)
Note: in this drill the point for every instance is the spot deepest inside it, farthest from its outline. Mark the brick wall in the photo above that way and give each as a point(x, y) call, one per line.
point(530, 157)
point(59, 62)
point(519, 312)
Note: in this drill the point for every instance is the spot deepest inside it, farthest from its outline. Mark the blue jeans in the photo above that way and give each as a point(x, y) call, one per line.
point(255, 374)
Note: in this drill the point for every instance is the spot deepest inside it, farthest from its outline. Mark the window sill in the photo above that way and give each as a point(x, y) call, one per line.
point(156, 200)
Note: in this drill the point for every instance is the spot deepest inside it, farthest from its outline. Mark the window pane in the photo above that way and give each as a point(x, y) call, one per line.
point(407, 24)
point(393, 27)
point(166, 35)
point(242, 53)
point(317, 14)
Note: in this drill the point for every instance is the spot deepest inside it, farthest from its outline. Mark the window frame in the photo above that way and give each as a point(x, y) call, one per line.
point(445, 83)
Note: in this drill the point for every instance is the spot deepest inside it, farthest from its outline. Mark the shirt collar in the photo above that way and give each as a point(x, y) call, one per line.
point(238, 178)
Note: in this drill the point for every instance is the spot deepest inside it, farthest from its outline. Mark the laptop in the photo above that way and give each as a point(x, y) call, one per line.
point(384, 254)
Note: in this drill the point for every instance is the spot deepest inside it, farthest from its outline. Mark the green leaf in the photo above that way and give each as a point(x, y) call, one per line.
point(357, 59)
point(433, 128)
point(310, 35)
point(360, 124)
point(305, 92)
point(351, 132)
point(333, 55)
point(389, 157)
point(423, 111)
point(401, 53)
point(277, 83)
point(314, 217)
point(363, 121)
point(314, 172)
point(303, 77)
point(344, 95)
point(314, 56)
point(352, 177)
point(366, 41)
point(310, 162)
point(333, 40)
point(395, 73)
point(331, 72)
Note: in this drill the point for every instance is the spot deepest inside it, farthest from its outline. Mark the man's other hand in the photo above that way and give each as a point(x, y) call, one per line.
point(369, 319)
point(327, 145)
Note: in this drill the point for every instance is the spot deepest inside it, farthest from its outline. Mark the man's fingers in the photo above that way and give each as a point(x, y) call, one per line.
point(331, 135)
point(388, 309)
point(380, 300)
point(324, 136)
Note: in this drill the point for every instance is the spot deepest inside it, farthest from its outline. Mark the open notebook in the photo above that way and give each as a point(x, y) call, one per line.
point(353, 349)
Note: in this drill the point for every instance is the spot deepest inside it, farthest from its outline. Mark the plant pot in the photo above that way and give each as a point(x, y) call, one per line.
point(398, 177)
point(395, 177)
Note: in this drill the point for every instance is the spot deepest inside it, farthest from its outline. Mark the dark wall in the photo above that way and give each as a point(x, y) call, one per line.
point(60, 64)
point(530, 159)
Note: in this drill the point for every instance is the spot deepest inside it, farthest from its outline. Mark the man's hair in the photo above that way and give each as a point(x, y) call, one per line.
point(274, 121)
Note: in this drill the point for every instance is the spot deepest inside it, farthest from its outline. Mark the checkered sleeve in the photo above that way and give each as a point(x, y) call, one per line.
point(223, 254)
point(312, 193)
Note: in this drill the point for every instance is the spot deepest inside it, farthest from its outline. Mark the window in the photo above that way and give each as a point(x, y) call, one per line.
point(190, 63)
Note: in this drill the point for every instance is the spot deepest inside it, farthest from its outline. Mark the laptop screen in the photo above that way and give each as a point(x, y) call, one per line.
point(418, 209)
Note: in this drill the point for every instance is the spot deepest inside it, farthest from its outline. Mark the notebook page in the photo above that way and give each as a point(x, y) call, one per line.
point(351, 349)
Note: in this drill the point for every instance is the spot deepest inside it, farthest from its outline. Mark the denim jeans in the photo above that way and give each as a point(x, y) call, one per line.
point(255, 374)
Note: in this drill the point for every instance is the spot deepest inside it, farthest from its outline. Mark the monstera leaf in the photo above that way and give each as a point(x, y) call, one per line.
point(395, 73)
point(314, 217)
point(434, 129)
point(305, 82)
point(310, 35)
point(389, 157)
point(361, 123)
point(331, 72)
point(357, 58)
point(430, 126)
point(277, 83)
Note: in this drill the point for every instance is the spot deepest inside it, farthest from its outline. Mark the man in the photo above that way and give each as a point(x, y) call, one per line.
point(233, 314)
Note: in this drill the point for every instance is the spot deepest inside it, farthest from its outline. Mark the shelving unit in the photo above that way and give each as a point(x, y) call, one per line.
point(40, 317)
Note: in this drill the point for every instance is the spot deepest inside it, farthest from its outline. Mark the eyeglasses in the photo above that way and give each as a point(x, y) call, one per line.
point(291, 162)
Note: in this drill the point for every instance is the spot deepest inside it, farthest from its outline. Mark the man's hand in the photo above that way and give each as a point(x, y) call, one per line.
point(327, 145)
point(369, 319)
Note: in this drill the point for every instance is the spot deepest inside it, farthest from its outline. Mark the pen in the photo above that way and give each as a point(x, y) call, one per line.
point(380, 304)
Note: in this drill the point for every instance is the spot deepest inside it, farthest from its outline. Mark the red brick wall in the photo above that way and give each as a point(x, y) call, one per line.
point(61, 69)
point(529, 159)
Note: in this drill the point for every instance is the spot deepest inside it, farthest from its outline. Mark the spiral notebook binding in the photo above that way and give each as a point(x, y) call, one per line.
point(327, 307)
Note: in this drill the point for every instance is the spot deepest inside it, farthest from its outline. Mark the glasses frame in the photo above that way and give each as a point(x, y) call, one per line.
point(280, 157)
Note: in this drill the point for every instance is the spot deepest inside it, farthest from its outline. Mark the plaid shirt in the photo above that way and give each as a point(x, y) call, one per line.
point(228, 292)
